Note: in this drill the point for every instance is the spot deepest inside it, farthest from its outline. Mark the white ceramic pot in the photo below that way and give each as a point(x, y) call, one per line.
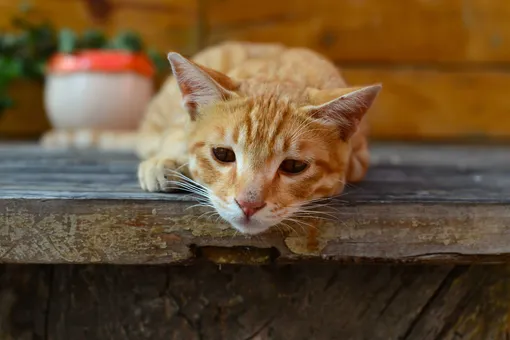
point(98, 90)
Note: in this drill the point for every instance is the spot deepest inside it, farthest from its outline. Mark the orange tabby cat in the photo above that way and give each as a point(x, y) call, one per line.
point(261, 129)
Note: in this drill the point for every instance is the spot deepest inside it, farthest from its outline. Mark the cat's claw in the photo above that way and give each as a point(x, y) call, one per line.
point(153, 174)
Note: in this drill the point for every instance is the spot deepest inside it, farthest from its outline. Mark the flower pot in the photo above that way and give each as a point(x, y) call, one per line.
point(98, 89)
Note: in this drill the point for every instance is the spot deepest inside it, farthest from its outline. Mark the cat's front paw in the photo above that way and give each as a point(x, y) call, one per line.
point(154, 174)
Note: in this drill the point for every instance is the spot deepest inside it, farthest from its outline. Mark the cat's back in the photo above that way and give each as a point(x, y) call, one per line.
point(273, 63)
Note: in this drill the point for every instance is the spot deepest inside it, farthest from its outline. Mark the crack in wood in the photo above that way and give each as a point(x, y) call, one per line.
point(454, 273)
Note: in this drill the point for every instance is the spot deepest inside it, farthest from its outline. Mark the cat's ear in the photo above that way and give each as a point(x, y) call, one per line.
point(199, 85)
point(343, 107)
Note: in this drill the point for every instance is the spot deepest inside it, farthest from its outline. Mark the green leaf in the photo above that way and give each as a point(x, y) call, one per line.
point(66, 41)
point(10, 68)
point(5, 102)
point(129, 41)
point(93, 39)
point(159, 61)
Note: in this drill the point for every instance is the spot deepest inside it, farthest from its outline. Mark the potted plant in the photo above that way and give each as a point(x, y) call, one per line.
point(91, 81)
point(24, 50)
point(98, 84)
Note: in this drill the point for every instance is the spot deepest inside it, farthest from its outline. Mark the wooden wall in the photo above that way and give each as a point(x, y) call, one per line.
point(444, 64)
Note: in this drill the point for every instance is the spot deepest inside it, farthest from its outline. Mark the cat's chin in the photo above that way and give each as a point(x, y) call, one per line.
point(250, 230)
point(234, 216)
point(252, 227)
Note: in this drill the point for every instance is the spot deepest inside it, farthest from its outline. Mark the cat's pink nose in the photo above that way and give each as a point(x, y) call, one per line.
point(250, 208)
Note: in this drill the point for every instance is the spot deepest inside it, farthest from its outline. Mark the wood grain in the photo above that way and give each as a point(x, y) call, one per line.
point(24, 292)
point(28, 107)
point(450, 204)
point(165, 25)
point(389, 31)
point(437, 105)
point(206, 301)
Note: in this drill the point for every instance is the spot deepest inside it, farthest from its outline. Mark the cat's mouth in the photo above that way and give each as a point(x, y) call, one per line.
point(256, 224)
point(250, 226)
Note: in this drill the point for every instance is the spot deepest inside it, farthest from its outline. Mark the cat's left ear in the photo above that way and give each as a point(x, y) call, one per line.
point(343, 107)
point(200, 85)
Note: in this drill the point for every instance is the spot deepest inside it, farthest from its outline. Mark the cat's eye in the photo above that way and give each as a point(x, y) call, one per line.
point(224, 155)
point(292, 166)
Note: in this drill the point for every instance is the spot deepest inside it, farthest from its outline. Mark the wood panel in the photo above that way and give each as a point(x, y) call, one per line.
point(164, 24)
point(27, 119)
point(24, 292)
point(428, 104)
point(373, 30)
point(205, 301)
point(281, 302)
point(417, 204)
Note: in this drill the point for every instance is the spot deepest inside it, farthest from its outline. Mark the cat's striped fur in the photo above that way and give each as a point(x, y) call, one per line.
point(267, 103)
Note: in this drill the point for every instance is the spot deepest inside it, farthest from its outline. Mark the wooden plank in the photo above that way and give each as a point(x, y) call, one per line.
point(418, 204)
point(288, 302)
point(458, 304)
point(85, 230)
point(13, 122)
point(437, 105)
point(24, 292)
point(173, 24)
point(399, 173)
point(372, 31)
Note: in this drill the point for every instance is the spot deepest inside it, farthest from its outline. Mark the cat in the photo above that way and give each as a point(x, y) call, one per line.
point(258, 130)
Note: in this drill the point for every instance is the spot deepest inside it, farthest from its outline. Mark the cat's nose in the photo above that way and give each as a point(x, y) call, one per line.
point(250, 208)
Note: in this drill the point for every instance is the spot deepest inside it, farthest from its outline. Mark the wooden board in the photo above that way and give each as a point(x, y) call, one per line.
point(164, 24)
point(393, 31)
point(28, 107)
point(418, 204)
point(437, 105)
point(205, 301)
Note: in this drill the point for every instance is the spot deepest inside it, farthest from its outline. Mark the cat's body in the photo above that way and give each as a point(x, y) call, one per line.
point(268, 69)
point(242, 118)
point(262, 129)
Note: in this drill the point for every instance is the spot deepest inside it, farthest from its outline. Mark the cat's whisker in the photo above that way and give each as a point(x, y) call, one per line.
point(297, 222)
point(302, 222)
point(190, 189)
point(277, 227)
point(217, 219)
point(186, 179)
point(199, 205)
point(188, 184)
point(315, 214)
point(288, 226)
point(207, 215)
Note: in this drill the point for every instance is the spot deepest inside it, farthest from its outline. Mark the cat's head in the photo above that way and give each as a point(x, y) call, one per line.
point(262, 158)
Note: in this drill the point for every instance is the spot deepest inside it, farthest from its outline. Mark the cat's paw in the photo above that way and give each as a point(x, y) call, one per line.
point(154, 174)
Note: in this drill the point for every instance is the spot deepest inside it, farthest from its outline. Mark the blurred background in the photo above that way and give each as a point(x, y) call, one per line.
point(443, 64)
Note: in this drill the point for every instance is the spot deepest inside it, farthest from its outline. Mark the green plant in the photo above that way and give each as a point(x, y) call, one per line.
point(29, 43)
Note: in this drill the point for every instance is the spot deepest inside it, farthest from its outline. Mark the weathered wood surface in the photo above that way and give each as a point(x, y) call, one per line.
point(427, 104)
point(418, 203)
point(371, 31)
point(296, 302)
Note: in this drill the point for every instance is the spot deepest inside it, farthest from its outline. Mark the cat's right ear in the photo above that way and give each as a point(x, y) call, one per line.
point(199, 85)
point(343, 107)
